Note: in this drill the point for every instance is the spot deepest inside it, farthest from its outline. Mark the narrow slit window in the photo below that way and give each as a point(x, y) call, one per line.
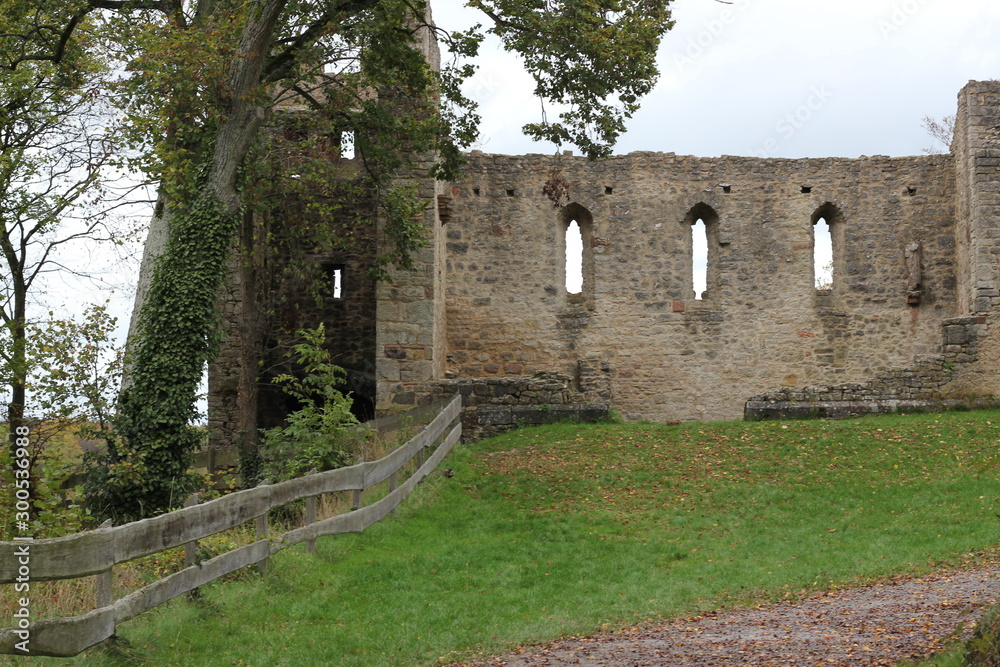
point(347, 145)
point(823, 255)
point(699, 258)
point(335, 278)
point(574, 258)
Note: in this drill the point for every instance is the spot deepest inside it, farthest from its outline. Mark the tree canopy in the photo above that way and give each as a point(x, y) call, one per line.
point(53, 148)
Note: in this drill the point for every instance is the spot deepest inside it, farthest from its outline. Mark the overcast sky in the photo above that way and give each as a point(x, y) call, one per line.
point(777, 78)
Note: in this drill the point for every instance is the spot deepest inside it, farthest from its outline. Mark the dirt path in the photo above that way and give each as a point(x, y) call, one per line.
point(873, 625)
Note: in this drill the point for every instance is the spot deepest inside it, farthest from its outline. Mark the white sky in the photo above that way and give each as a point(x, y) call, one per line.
point(730, 74)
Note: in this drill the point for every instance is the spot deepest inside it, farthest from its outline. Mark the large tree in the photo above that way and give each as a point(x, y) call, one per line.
point(205, 75)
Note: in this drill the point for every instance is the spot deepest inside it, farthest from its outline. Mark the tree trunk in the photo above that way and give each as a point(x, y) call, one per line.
point(178, 324)
point(19, 383)
point(251, 350)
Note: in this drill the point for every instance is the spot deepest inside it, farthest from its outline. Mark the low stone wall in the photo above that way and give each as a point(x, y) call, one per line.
point(922, 387)
point(497, 404)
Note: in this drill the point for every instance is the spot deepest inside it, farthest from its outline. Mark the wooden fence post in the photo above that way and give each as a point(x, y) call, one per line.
point(105, 581)
point(262, 530)
point(392, 487)
point(191, 548)
point(311, 517)
point(356, 502)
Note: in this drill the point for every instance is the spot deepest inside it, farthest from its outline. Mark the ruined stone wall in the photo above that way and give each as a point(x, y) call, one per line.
point(761, 325)
point(410, 339)
point(910, 320)
point(925, 386)
point(976, 146)
point(492, 405)
point(349, 321)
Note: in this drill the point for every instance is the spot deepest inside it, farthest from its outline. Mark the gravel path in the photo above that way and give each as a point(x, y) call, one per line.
point(873, 625)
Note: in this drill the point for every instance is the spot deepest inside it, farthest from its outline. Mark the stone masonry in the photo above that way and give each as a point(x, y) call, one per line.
point(910, 319)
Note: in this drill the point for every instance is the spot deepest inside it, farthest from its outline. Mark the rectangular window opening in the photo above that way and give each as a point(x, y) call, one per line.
point(823, 255)
point(574, 258)
point(335, 279)
point(699, 258)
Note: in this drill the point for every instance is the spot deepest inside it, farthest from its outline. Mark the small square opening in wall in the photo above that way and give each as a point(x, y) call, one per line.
point(608, 190)
point(806, 189)
point(475, 191)
point(726, 187)
point(510, 193)
point(911, 191)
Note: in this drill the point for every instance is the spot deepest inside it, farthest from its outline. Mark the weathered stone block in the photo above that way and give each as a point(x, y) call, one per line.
point(490, 415)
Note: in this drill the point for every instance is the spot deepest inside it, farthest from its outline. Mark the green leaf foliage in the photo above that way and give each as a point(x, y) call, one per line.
point(315, 436)
point(56, 508)
point(76, 370)
point(597, 57)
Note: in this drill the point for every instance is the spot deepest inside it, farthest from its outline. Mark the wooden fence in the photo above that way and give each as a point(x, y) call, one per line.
point(96, 552)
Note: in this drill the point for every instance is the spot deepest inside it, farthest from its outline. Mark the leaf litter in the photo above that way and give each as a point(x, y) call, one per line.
point(878, 624)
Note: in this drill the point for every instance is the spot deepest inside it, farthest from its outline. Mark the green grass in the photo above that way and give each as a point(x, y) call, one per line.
point(567, 529)
point(952, 656)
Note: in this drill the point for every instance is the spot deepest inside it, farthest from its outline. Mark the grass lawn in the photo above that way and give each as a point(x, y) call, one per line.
point(571, 529)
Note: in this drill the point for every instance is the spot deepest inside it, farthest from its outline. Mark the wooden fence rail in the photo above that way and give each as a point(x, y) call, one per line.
point(97, 551)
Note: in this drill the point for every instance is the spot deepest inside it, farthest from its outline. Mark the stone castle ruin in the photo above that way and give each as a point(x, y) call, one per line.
point(910, 320)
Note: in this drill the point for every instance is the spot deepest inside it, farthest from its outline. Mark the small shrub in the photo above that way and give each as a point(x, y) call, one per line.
point(55, 510)
point(117, 480)
point(315, 435)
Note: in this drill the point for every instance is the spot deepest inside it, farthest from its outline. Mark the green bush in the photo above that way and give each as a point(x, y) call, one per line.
point(316, 435)
point(55, 510)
